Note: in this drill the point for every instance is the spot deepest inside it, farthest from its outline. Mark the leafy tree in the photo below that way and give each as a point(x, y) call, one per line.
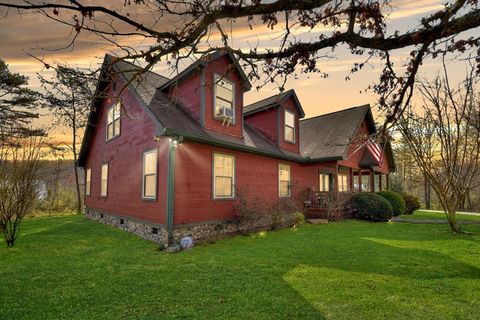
point(69, 95)
point(310, 30)
point(17, 106)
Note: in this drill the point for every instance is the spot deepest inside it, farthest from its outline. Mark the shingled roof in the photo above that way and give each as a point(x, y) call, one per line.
point(273, 101)
point(327, 137)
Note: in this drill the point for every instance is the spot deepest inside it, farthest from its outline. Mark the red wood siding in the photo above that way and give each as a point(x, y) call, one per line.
point(187, 92)
point(266, 122)
point(286, 145)
point(222, 66)
point(194, 178)
point(125, 157)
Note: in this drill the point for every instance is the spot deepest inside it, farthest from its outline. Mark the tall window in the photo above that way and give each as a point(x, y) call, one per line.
point(343, 182)
point(376, 182)
point(224, 97)
point(289, 126)
point(324, 182)
point(366, 183)
point(88, 181)
point(104, 180)
point(149, 188)
point(283, 180)
point(223, 176)
point(113, 121)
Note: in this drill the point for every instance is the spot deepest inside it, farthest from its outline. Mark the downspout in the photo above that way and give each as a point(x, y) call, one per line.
point(170, 190)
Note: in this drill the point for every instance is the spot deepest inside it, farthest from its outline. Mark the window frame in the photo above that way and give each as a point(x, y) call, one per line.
point(343, 174)
point(285, 126)
point(119, 104)
point(216, 78)
point(144, 197)
point(214, 191)
point(289, 180)
point(88, 182)
point(101, 179)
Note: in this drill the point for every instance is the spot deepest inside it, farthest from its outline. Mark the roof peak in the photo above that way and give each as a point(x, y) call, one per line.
point(338, 111)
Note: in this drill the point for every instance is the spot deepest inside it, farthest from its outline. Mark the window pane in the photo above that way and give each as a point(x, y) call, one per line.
point(110, 131)
point(224, 92)
point(104, 183)
point(110, 116)
point(150, 186)
point(88, 180)
point(289, 134)
point(284, 180)
point(116, 128)
point(366, 183)
point(219, 104)
point(289, 119)
point(223, 187)
point(150, 162)
point(117, 110)
point(223, 175)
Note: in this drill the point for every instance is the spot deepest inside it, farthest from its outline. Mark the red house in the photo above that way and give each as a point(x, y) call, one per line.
point(167, 158)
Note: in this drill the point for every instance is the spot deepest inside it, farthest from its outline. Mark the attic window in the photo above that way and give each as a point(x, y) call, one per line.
point(113, 121)
point(224, 98)
point(289, 131)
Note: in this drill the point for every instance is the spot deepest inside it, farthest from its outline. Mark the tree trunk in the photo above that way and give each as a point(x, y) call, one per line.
point(77, 183)
point(426, 192)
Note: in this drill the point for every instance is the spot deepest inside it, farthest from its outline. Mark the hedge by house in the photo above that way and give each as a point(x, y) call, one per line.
point(396, 200)
point(371, 206)
point(412, 203)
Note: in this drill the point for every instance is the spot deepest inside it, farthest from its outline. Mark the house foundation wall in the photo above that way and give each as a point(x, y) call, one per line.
point(200, 232)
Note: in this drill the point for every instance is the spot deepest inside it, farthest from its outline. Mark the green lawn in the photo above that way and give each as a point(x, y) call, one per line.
point(424, 215)
point(72, 268)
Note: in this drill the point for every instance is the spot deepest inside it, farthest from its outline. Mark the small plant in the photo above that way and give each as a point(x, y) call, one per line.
point(412, 203)
point(396, 200)
point(371, 206)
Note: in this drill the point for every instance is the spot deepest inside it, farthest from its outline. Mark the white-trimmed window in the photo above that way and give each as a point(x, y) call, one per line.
point(88, 181)
point(224, 91)
point(149, 186)
point(104, 180)
point(113, 121)
point(289, 128)
point(223, 176)
point(323, 182)
point(343, 182)
point(284, 180)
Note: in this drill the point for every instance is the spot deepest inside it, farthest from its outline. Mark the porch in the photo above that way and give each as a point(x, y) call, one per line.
point(333, 198)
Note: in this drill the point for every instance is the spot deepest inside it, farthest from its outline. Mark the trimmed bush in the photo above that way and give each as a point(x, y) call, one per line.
point(412, 203)
point(371, 206)
point(396, 200)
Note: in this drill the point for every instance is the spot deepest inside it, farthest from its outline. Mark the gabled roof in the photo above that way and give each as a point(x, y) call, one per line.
point(273, 101)
point(328, 137)
point(202, 63)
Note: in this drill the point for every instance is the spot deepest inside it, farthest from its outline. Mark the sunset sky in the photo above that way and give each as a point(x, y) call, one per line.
point(43, 37)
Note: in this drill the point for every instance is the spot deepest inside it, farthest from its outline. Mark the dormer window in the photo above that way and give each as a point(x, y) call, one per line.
point(224, 91)
point(113, 121)
point(289, 130)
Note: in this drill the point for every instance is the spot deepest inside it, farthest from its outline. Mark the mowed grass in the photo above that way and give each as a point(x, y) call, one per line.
point(427, 215)
point(72, 268)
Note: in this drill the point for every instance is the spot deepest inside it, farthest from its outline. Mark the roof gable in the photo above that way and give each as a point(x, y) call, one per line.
point(336, 129)
point(202, 63)
point(273, 102)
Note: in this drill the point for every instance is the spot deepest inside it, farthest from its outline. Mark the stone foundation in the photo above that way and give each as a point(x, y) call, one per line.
point(200, 232)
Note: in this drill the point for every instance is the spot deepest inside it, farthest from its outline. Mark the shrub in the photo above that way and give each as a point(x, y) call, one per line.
point(412, 203)
point(371, 206)
point(396, 200)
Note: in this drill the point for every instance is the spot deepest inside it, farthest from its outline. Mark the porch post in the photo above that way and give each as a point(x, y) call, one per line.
point(372, 180)
point(351, 182)
point(359, 176)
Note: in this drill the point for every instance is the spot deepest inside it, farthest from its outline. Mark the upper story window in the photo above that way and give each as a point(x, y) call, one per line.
point(289, 126)
point(343, 182)
point(224, 99)
point(104, 180)
point(324, 182)
point(223, 176)
point(149, 188)
point(283, 180)
point(88, 181)
point(113, 121)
